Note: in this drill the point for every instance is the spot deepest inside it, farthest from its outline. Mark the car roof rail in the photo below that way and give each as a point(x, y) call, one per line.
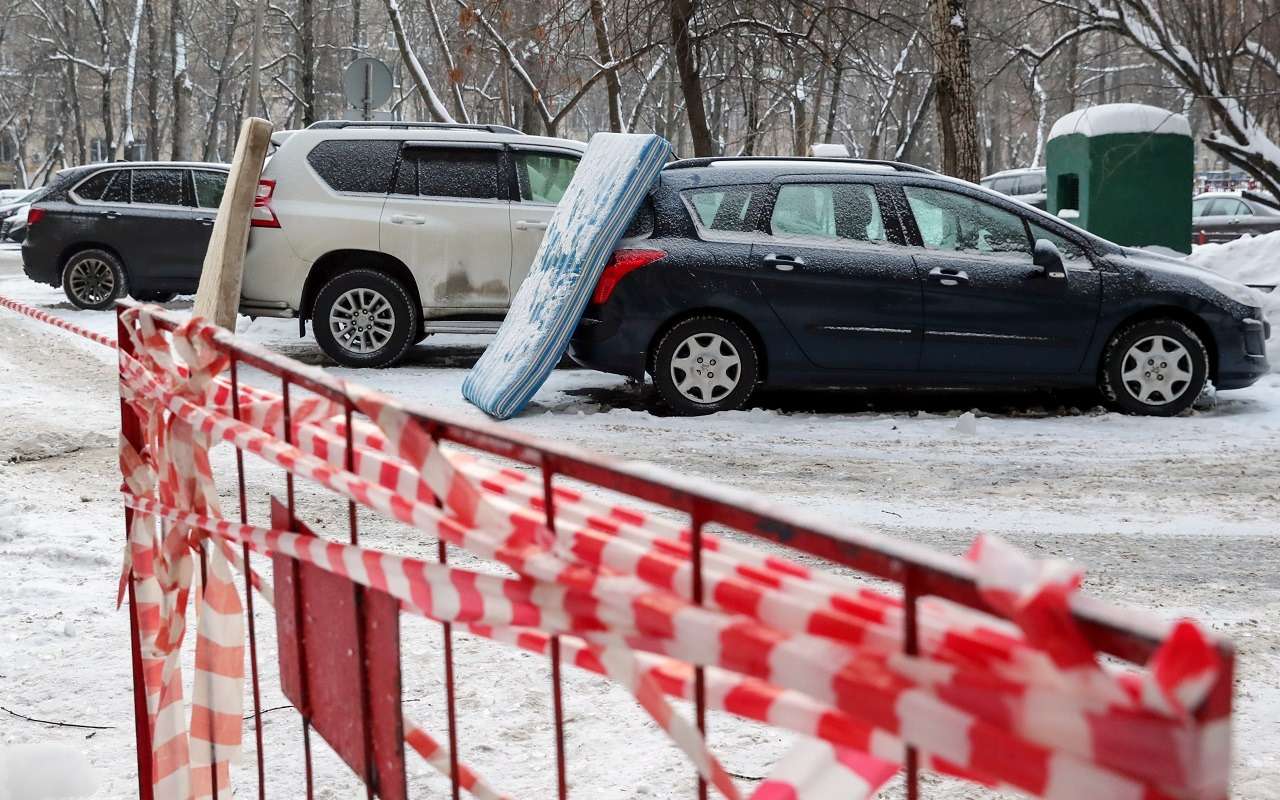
point(688, 163)
point(340, 124)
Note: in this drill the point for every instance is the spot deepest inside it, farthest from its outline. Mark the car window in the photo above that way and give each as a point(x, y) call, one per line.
point(1200, 208)
point(721, 209)
point(1030, 184)
point(1070, 250)
point(950, 221)
point(93, 188)
point(1004, 185)
point(543, 177)
point(209, 187)
point(118, 190)
point(1235, 208)
point(160, 187)
point(827, 211)
point(355, 166)
point(453, 172)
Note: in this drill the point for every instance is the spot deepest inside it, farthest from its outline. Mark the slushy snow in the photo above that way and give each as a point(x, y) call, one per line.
point(44, 771)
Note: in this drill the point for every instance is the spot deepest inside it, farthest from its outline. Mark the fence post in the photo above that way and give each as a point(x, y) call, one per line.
point(131, 430)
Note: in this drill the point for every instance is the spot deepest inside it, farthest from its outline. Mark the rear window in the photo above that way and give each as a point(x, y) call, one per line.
point(209, 188)
point(355, 166)
point(93, 188)
point(118, 190)
point(1031, 184)
point(160, 187)
point(451, 172)
point(723, 209)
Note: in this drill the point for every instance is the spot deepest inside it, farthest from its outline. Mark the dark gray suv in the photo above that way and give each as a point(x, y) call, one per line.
point(137, 228)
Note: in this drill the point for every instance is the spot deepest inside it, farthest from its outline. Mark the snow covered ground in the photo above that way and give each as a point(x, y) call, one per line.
point(1173, 515)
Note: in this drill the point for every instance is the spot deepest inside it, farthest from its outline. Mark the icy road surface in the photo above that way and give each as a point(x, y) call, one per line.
point(1173, 515)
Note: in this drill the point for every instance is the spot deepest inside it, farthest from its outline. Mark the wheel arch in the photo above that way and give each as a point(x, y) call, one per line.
point(335, 262)
point(1177, 314)
point(762, 369)
point(76, 248)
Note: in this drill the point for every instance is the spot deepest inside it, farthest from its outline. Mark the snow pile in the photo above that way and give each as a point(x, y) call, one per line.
point(1251, 260)
point(44, 771)
point(1120, 118)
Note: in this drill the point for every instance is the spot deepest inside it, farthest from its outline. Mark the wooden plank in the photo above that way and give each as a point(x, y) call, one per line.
point(218, 296)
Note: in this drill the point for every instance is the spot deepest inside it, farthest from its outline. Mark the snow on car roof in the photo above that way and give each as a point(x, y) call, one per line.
point(1120, 118)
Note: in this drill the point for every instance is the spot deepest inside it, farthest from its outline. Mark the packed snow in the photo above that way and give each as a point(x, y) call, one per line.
point(1120, 118)
point(1176, 516)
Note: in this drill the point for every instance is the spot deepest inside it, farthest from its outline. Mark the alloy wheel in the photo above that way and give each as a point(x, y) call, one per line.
point(362, 320)
point(93, 281)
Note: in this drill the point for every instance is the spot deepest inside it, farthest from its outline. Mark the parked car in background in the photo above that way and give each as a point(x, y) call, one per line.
point(1027, 185)
point(383, 233)
point(1223, 216)
point(137, 228)
point(9, 197)
point(803, 273)
point(13, 228)
point(17, 198)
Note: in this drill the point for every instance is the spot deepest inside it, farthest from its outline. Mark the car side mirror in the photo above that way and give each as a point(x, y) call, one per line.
point(1045, 255)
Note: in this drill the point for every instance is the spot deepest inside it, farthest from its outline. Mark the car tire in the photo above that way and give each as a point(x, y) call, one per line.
point(705, 364)
point(379, 308)
point(153, 297)
point(1175, 371)
point(94, 280)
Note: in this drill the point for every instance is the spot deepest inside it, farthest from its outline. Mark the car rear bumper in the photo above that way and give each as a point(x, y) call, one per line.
point(39, 265)
point(608, 343)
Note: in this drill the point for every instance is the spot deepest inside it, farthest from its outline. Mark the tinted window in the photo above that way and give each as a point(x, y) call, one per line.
point(1200, 208)
point(161, 187)
point(1234, 208)
point(93, 188)
point(118, 190)
point(209, 188)
point(456, 172)
point(355, 166)
point(830, 211)
point(543, 177)
point(1070, 250)
point(1030, 184)
point(721, 209)
point(1004, 185)
point(949, 221)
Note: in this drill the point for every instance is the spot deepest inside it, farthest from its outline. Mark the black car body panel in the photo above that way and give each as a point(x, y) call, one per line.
point(895, 312)
point(161, 244)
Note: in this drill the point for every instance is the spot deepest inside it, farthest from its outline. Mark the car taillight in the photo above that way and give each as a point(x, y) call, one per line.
point(263, 216)
point(622, 263)
point(33, 215)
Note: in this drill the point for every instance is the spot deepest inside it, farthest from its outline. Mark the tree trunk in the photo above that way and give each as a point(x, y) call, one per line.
point(307, 52)
point(178, 56)
point(153, 87)
point(690, 79)
point(954, 92)
point(604, 52)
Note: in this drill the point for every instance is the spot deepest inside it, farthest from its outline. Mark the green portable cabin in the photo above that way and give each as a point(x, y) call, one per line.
point(1125, 172)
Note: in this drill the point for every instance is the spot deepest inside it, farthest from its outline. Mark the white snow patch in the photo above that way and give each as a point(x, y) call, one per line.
point(967, 424)
point(1255, 261)
point(1120, 118)
point(45, 771)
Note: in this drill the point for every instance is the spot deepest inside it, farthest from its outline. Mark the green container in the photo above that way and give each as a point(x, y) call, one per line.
point(1128, 171)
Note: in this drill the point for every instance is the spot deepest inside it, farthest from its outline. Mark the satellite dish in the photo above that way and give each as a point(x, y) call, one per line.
point(367, 84)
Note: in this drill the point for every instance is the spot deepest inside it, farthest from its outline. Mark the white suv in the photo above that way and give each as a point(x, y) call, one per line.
point(383, 234)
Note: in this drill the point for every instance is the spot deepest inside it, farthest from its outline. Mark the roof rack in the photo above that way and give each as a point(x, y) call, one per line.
point(339, 124)
point(686, 163)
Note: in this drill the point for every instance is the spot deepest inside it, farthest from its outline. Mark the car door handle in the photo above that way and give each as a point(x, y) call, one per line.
point(111, 214)
point(408, 219)
point(205, 221)
point(530, 224)
point(783, 263)
point(948, 276)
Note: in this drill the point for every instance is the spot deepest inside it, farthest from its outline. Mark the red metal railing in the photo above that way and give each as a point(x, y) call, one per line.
point(920, 572)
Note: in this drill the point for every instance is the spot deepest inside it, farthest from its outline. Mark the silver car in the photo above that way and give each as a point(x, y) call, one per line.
point(1223, 216)
point(1027, 185)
